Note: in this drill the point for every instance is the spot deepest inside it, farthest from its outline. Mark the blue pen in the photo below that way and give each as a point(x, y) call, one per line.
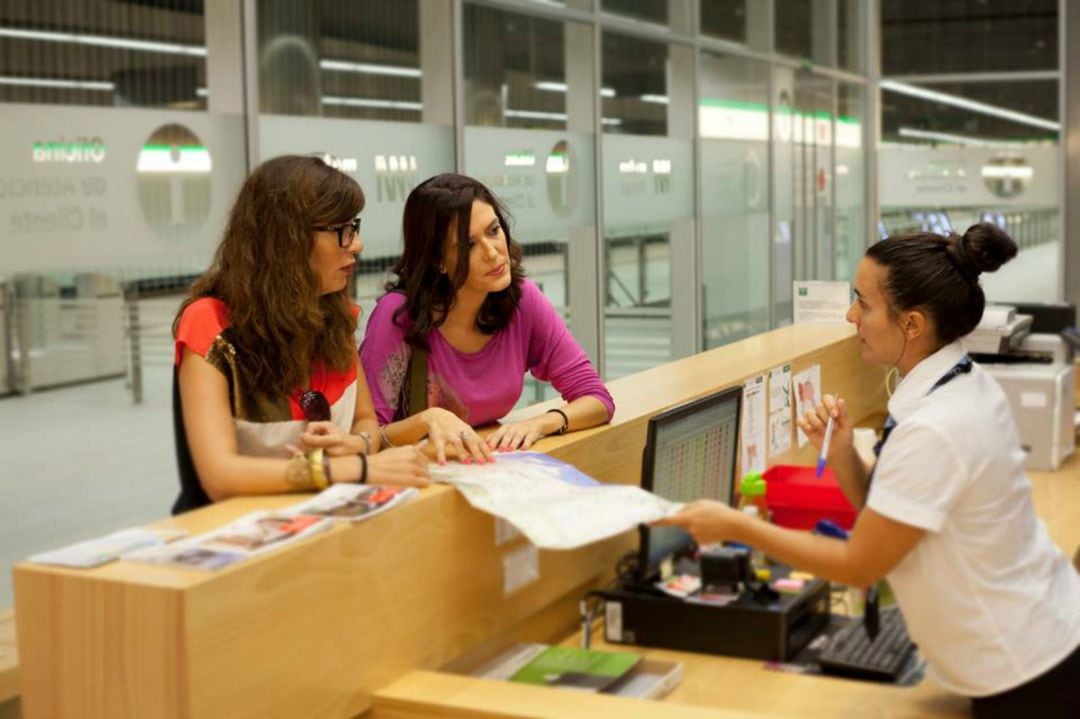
point(825, 447)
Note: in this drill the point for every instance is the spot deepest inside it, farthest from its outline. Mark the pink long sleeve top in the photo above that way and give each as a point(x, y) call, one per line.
point(480, 387)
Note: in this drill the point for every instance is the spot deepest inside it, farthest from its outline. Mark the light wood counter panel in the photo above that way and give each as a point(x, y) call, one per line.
point(315, 629)
point(9, 657)
point(435, 694)
point(720, 686)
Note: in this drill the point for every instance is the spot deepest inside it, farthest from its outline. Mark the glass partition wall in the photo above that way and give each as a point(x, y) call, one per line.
point(370, 90)
point(529, 136)
point(648, 202)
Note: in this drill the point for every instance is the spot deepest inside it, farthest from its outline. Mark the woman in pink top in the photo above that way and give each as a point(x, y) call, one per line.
point(461, 293)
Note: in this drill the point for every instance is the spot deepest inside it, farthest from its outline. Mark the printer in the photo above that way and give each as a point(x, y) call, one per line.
point(1037, 372)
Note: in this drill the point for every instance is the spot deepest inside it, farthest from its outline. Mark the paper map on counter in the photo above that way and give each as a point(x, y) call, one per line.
point(553, 504)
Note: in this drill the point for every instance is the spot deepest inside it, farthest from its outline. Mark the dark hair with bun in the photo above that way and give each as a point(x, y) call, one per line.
point(940, 275)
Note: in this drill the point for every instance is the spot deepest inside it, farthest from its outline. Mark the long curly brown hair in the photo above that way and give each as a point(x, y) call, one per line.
point(279, 322)
point(434, 208)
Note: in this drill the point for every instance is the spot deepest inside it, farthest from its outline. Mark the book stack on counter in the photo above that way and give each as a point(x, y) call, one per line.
point(619, 673)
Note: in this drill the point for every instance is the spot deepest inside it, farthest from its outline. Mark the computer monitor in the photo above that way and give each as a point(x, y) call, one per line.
point(689, 454)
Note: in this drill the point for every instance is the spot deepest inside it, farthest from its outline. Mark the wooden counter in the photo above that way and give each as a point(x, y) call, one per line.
point(316, 629)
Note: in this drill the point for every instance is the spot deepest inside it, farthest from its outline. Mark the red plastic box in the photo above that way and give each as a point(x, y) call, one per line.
point(798, 499)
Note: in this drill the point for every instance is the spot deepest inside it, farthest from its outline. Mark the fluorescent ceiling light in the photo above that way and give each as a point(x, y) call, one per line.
point(941, 137)
point(974, 106)
point(538, 115)
point(372, 102)
point(658, 99)
point(370, 68)
point(561, 87)
point(61, 84)
point(170, 48)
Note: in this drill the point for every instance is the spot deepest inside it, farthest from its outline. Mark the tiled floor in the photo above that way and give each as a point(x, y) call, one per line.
point(81, 462)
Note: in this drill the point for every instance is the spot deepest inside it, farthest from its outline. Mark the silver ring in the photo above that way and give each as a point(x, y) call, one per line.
point(464, 435)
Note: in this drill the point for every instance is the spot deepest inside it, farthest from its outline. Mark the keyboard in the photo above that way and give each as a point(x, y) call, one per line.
point(850, 652)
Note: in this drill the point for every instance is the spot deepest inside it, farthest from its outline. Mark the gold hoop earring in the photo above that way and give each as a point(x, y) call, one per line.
point(892, 379)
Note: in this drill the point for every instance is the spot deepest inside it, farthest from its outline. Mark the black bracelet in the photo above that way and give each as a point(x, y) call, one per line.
point(565, 421)
point(363, 469)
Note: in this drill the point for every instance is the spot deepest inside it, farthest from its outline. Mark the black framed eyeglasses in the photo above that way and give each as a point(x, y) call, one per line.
point(345, 233)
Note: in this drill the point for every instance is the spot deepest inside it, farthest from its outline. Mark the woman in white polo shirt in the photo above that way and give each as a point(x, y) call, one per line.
point(946, 512)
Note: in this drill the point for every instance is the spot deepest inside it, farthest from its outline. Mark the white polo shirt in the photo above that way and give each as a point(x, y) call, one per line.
point(989, 599)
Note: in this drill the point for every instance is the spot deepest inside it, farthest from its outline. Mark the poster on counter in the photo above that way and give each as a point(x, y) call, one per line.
point(807, 394)
point(753, 425)
point(779, 410)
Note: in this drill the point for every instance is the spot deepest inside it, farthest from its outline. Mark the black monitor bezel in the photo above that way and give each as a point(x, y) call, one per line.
point(648, 458)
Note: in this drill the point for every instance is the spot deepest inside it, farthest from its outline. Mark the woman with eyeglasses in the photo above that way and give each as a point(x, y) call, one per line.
point(945, 513)
point(268, 395)
point(461, 317)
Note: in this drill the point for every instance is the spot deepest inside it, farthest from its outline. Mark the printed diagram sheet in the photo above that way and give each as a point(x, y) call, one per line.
point(553, 504)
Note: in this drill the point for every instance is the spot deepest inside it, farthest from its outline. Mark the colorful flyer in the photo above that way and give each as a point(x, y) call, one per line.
point(779, 410)
point(807, 394)
point(753, 425)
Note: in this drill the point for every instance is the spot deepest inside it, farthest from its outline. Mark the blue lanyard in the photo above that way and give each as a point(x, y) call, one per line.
point(962, 367)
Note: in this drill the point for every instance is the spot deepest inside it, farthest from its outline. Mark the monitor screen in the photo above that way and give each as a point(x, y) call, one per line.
point(689, 454)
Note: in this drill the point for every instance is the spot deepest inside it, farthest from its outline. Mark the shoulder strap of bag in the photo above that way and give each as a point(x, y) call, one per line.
point(418, 381)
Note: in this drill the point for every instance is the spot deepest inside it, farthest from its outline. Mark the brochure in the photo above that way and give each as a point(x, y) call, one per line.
point(95, 552)
point(354, 502)
point(245, 537)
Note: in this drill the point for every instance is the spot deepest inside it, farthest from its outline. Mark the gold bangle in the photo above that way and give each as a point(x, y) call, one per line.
point(367, 441)
point(315, 466)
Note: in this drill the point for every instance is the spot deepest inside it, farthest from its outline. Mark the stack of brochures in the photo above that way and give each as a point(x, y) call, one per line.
point(260, 532)
point(619, 673)
point(102, 550)
point(247, 536)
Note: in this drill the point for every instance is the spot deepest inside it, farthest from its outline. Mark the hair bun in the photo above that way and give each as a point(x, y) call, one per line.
point(983, 248)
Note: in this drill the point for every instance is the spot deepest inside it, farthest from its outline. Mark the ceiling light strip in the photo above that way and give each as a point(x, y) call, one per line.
point(104, 41)
point(974, 106)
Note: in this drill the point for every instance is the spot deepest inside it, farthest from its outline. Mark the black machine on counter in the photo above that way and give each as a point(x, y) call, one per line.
point(690, 454)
